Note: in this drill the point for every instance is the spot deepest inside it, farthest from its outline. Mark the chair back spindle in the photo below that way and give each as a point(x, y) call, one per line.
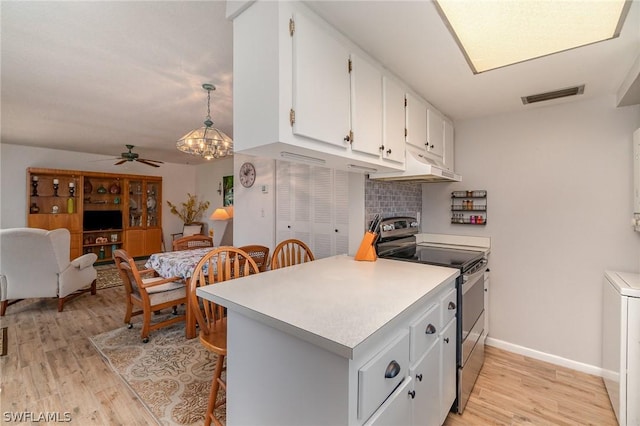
point(291, 252)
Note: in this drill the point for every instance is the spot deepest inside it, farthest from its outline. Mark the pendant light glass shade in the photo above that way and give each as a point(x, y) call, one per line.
point(207, 141)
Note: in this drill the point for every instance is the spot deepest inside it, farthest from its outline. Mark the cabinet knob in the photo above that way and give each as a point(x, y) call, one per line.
point(389, 151)
point(446, 340)
point(452, 306)
point(381, 148)
point(419, 377)
point(289, 226)
point(393, 369)
point(347, 138)
point(336, 230)
point(431, 329)
point(412, 394)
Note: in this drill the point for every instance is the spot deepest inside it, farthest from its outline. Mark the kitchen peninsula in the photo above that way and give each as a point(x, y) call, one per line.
point(340, 342)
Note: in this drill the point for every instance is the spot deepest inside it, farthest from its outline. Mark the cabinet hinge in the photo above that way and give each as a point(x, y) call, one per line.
point(350, 66)
point(405, 101)
point(292, 116)
point(405, 132)
point(351, 137)
point(292, 27)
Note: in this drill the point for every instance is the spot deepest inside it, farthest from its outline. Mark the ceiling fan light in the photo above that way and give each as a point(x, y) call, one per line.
point(205, 141)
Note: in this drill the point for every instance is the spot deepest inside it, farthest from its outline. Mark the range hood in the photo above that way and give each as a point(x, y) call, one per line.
point(419, 168)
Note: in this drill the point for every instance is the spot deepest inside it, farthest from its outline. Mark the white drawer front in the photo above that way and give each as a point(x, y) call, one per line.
point(396, 410)
point(448, 305)
point(374, 387)
point(424, 332)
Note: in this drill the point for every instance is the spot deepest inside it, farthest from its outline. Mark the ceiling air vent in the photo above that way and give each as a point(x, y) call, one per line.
point(556, 94)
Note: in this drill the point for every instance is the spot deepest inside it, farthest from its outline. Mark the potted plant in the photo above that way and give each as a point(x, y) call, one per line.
point(189, 211)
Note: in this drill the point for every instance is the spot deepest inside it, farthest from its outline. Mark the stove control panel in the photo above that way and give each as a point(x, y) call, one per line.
point(398, 227)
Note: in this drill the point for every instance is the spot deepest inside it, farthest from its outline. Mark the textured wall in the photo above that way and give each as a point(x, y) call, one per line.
point(391, 199)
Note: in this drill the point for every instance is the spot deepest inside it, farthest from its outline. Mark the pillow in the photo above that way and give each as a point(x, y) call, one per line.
point(191, 230)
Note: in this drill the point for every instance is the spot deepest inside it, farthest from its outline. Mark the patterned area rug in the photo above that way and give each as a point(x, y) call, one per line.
point(108, 275)
point(171, 375)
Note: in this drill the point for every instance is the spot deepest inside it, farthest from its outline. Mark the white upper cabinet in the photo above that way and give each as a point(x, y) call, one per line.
point(435, 133)
point(366, 106)
point(320, 84)
point(304, 92)
point(393, 123)
point(416, 116)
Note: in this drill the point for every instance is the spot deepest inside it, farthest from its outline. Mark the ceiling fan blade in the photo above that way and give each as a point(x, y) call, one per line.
point(143, 161)
point(152, 161)
point(120, 162)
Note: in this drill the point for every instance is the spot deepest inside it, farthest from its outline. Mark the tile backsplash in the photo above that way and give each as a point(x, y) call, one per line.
point(391, 199)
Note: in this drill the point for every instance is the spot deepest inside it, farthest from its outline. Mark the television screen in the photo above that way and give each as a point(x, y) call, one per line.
point(95, 220)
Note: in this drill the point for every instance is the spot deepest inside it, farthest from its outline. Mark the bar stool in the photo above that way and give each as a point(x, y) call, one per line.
point(221, 264)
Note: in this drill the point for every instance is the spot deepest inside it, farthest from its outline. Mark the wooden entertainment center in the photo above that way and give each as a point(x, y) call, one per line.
point(103, 211)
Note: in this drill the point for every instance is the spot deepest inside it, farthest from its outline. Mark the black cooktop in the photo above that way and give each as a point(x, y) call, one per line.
point(453, 258)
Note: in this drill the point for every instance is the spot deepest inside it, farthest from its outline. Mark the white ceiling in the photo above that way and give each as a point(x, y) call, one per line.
point(94, 76)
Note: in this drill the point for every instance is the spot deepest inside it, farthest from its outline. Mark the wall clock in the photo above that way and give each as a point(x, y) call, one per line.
point(247, 175)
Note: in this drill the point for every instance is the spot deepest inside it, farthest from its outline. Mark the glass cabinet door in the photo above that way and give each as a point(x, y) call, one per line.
point(152, 204)
point(137, 202)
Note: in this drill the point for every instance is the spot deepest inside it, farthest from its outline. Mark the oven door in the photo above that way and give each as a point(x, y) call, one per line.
point(472, 302)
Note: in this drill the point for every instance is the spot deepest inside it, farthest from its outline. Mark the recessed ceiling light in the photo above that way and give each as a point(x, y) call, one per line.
point(493, 34)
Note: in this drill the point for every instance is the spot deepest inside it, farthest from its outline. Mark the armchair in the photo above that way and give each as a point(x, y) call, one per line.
point(35, 263)
point(194, 228)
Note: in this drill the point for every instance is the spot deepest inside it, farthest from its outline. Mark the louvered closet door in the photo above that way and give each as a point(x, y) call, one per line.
point(341, 211)
point(322, 188)
point(312, 205)
point(293, 201)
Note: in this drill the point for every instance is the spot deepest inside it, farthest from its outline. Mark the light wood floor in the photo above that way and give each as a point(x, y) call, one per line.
point(52, 367)
point(516, 390)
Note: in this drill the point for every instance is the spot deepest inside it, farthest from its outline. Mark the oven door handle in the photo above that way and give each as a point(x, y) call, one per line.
point(471, 279)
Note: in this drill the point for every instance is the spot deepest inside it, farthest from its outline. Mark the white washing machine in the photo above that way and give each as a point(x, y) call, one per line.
point(621, 344)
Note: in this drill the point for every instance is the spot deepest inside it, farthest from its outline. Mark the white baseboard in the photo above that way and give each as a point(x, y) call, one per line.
point(553, 359)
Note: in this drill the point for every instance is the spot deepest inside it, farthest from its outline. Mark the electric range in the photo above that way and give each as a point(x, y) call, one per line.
point(397, 241)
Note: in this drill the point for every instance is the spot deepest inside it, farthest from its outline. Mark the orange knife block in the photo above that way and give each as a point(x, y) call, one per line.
point(367, 251)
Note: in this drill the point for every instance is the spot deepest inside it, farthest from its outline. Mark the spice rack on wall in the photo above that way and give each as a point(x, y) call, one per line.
point(469, 207)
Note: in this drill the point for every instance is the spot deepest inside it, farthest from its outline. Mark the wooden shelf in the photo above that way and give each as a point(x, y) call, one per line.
point(118, 192)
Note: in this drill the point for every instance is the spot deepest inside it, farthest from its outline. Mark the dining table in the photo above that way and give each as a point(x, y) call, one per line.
point(179, 264)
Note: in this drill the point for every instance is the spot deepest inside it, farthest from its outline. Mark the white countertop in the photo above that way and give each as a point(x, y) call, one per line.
point(335, 303)
point(627, 283)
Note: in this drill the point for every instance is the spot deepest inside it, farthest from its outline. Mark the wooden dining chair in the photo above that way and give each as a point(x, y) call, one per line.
point(192, 242)
point(150, 294)
point(220, 264)
point(290, 252)
point(260, 254)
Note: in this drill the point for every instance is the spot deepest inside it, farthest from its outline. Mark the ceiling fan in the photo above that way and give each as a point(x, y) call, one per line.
point(132, 156)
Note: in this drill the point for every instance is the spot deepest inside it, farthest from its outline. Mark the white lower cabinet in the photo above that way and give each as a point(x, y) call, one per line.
point(448, 369)
point(396, 411)
point(426, 404)
point(426, 395)
point(378, 378)
point(315, 382)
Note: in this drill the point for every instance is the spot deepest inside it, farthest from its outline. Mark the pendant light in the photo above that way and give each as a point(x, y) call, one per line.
point(207, 141)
